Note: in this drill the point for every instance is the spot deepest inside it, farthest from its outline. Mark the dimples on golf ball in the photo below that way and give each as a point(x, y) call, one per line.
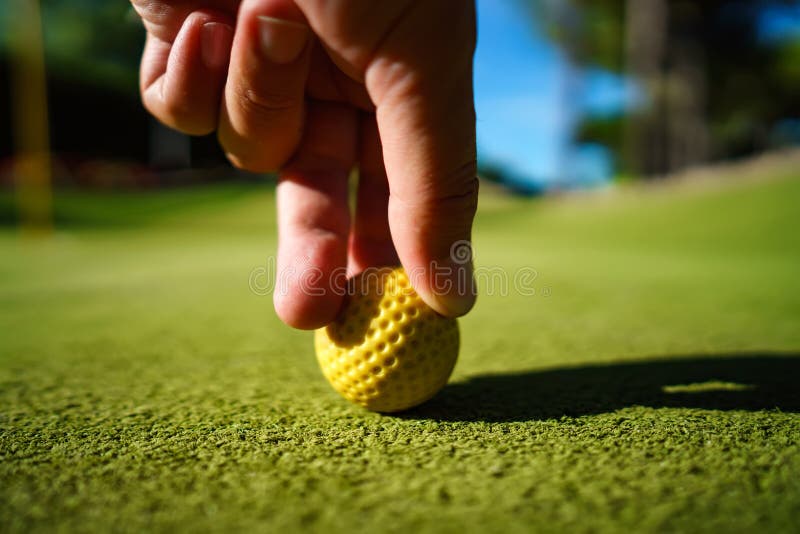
point(387, 350)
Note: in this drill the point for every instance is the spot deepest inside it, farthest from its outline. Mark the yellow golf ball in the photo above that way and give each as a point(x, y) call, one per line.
point(388, 350)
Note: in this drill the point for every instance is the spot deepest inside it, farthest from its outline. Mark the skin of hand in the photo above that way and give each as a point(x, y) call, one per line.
point(313, 89)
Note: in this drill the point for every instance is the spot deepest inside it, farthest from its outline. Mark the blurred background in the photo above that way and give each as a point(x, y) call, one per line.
point(631, 364)
point(569, 94)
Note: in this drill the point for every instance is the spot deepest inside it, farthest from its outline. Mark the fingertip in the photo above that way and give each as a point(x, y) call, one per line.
point(216, 39)
point(310, 316)
point(308, 296)
point(282, 41)
point(314, 219)
point(263, 105)
point(446, 286)
point(453, 305)
point(182, 80)
point(433, 240)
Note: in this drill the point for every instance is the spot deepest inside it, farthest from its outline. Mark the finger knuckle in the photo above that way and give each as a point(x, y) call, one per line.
point(459, 186)
point(247, 154)
point(250, 162)
point(265, 105)
point(153, 11)
point(462, 197)
point(179, 116)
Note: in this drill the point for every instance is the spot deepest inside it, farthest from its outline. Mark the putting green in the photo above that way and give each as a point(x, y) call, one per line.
point(642, 375)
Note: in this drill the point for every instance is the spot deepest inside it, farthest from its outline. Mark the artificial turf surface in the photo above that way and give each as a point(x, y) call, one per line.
point(649, 383)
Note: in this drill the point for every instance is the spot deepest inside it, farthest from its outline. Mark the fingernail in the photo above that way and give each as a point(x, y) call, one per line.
point(458, 292)
point(452, 281)
point(216, 44)
point(282, 41)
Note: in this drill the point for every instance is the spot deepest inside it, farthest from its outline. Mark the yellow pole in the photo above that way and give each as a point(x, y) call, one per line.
point(31, 134)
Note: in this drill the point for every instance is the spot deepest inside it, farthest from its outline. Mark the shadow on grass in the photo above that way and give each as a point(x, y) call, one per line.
point(747, 381)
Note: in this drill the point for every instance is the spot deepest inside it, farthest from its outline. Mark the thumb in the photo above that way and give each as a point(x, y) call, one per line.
point(421, 83)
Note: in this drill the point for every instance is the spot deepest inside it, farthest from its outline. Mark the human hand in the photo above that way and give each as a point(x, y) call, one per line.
point(315, 88)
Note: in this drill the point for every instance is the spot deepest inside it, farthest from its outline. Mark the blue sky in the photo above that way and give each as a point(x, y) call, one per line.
point(524, 117)
point(517, 76)
point(781, 22)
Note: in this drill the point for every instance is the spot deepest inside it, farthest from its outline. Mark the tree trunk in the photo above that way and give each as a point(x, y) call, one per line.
point(645, 132)
point(688, 136)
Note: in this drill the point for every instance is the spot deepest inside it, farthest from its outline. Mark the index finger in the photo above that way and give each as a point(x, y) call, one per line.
point(421, 83)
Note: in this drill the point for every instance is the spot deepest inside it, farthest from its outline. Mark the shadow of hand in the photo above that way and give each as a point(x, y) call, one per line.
point(747, 381)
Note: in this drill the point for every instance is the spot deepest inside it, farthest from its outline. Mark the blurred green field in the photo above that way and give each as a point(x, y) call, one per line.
point(649, 383)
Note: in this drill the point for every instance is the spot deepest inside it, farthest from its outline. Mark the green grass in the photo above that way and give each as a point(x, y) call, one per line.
point(648, 384)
